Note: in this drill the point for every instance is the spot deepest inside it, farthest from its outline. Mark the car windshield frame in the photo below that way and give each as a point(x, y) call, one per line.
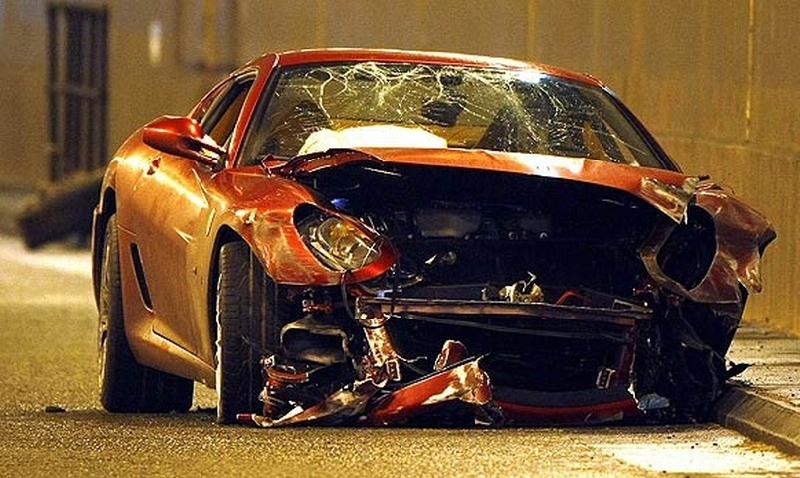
point(442, 109)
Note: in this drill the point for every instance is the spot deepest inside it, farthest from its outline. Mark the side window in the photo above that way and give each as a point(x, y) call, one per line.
point(201, 110)
point(220, 118)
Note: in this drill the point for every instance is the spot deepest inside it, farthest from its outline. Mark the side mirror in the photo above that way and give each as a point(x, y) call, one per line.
point(181, 136)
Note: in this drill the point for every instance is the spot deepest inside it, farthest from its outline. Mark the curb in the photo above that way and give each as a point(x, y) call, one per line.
point(759, 417)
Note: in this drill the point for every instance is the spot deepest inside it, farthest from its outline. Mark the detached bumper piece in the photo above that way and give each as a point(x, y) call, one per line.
point(465, 362)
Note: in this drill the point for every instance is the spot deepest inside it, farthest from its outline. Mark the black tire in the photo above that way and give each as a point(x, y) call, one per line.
point(248, 327)
point(125, 385)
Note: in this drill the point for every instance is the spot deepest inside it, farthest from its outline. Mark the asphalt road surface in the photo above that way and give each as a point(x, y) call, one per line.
point(47, 358)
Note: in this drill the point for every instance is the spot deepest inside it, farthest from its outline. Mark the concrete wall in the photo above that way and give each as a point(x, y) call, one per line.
point(139, 89)
point(23, 109)
point(717, 83)
point(715, 80)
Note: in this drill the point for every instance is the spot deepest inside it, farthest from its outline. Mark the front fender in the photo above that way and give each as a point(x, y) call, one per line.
point(742, 234)
point(277, 244)
point(260, 209)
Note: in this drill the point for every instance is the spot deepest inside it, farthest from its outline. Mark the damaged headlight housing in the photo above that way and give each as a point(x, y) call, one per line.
point(338, 243)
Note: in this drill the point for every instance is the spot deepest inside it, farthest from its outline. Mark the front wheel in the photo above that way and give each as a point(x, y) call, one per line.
point(248, 326)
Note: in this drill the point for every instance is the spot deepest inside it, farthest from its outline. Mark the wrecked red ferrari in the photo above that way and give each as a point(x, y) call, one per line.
point(383, 237)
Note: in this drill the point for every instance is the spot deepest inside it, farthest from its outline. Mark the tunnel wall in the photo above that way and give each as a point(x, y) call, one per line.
point(714, 80)
point(717, 84)
point(139, 89)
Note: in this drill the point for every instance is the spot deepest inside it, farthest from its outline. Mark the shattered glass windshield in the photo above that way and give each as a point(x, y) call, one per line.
point(367, 104)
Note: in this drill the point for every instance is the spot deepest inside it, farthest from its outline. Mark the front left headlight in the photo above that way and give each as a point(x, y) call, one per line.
point(337, 243)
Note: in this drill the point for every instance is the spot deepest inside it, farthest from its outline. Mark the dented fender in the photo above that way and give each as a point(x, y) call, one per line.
point(741, 234)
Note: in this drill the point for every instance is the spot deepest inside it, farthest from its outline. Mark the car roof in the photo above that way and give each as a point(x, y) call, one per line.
point(335, 55)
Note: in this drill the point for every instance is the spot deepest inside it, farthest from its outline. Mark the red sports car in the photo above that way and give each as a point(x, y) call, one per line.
point(385, 237)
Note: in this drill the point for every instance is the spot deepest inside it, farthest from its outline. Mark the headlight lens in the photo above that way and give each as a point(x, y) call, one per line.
point(339, 244)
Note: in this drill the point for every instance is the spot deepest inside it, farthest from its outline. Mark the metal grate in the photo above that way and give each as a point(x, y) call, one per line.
point(78, 77)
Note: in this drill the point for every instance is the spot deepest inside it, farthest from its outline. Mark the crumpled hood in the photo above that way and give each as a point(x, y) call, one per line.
point(668, 191)
point(741, 232)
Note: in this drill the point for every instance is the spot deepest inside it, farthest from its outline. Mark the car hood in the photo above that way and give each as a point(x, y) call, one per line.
point(668, 191)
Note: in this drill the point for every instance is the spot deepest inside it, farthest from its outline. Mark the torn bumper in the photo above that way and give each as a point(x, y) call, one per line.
point(482, 371)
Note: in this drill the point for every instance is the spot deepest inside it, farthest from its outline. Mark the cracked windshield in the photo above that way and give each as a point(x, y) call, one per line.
point(371, 104)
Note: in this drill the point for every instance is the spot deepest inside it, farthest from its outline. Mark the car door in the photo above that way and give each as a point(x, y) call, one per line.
point(174, 200)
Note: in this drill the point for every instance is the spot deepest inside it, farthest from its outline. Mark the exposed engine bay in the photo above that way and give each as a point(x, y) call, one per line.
point(509, 299)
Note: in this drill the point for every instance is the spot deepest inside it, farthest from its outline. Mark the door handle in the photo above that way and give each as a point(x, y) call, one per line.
point(154, 164)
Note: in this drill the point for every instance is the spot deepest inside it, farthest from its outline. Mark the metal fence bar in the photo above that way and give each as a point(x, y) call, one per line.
point(77, 91)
